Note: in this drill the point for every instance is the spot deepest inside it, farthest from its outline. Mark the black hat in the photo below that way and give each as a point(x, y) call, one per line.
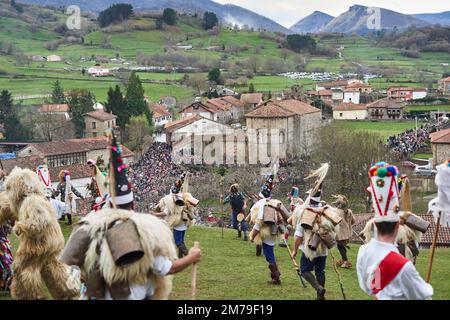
point(124, 193)
point(315, 198)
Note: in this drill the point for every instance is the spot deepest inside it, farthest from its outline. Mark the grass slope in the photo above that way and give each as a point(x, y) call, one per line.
point(230, 270)
point(384, 128)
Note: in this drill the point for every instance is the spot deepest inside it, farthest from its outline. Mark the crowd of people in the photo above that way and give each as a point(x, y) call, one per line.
point(406, 143)
point(153, 175)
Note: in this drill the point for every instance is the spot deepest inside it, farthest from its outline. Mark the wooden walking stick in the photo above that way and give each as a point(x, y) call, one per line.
point(338, 275)
point(297, 268)
point(433, 248)
point(194, 275)
point(112, 174)
point(221, 203)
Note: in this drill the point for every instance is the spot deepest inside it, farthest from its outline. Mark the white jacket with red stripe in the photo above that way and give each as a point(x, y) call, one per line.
point(406, 285)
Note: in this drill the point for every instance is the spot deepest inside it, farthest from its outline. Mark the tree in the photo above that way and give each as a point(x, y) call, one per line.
point(136, 104)
point(115, 13)
point(209, 20)
point(14, 130)
point(198, 82)
point(58, 93)
point(251, 88)
point(16, 6)
point(299, 42)
point(117, 105)
point(159, 24)
point(80, 102)
point(214, 75)
point(139, 133)
point(170, 16)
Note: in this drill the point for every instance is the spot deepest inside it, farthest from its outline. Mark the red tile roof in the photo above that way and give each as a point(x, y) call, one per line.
point(350, 107)
point(54, 108)
point(442, 136)
point(384, 103)
point(73, 146)
point(174, 125)
point(77, 171)
point(358, 85)
point(101, 115)
point(444, 80)
point(325, 92)
point(281, 109)
point(337, 83)
point(158, 110)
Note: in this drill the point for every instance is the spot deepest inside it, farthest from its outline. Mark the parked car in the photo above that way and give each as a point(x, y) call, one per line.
point(427, 171)
point(408, 164)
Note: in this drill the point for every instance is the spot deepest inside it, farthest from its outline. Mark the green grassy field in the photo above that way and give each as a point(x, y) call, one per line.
point(384, 128)
point(230, 270)
point(428, 108)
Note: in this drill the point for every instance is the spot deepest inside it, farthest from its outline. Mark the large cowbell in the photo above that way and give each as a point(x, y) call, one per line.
point(124, 243)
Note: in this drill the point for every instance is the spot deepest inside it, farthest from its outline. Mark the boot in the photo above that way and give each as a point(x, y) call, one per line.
point(274, 274)
point(321, 280)
point(308, 276)
point(182, 250)
point(63, 218)
point(69, 218)
point(258, 250)
point(239, 233)
point(245, 236)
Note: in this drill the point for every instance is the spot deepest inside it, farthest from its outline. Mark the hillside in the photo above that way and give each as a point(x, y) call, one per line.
point(442, 18)
point(229, 14)
point(355, 20)
point(312, 23)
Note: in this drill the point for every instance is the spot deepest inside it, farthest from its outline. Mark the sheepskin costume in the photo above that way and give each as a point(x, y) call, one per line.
point(40, 241)
point(174, 213)
point(404, 235)
point(345, 227)
point(97, 260)
point(322, 225)
point(265, 231)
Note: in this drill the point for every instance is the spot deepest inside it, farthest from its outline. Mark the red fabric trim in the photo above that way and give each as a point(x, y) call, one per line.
point(387, 270)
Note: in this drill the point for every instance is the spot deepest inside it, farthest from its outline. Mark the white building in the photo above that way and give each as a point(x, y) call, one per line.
point(351, 95)
point(350, 111)
point(98, 71)
point(53, 58)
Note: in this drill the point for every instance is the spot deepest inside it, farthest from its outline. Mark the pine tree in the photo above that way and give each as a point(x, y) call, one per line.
point(80, 102)
point(14, 130)
point(136, 104)
point(118, 106)
point(58, 93)
point(251, 88)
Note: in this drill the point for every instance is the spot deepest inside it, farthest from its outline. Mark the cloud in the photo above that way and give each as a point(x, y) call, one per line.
point(288, 12)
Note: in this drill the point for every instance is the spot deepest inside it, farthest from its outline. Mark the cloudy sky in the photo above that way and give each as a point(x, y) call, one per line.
point(288, 12)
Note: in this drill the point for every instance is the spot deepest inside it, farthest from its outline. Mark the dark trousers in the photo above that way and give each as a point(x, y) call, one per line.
point(268, 253)
point(342, 247)
point(178, 237)
point(235, 223)
point(317, 264)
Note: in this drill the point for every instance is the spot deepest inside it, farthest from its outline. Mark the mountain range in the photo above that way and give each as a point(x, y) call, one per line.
point(353, 20)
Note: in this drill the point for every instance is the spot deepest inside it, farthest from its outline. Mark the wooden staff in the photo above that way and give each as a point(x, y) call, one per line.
point(112, 174)
point(221, 203)
point(194, 275)
point(433, 248)
point(338, 275)
point(297, 268)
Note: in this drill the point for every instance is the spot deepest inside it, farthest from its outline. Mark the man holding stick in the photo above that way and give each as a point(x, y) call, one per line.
point(382, 271)
point(238, 205)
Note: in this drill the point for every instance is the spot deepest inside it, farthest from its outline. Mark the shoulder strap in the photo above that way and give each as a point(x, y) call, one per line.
point(387, 270)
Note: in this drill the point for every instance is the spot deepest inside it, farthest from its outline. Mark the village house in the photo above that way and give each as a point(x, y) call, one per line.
point(440, 146)
point(351, 95)
point(61, 110)
point(53, 58)
point(224, 109)
point(98, 71)
point(330, 85)
point(251, 100)
point(362, 87)
point(160, 116)
point(350, 111)
point(401, 94)
point(168, 101)
point(385, 109)
point(296, 122)
point(97, 122)
point(444, 86)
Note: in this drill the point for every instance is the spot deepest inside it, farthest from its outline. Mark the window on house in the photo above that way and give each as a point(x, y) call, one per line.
point(340, 114)
point(94, 125)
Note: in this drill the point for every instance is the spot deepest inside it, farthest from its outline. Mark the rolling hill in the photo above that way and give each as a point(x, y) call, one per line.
point(442, 18)
point(356, 19)
point(229, 14)
point(312, 23)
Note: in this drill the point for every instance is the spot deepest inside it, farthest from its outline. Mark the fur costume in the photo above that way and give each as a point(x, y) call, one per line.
point(40, 241)
point(265, 231)
point(155, 239)
point(322, 225)
point(345, 227)
point(404, 235)
point(175, 215)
